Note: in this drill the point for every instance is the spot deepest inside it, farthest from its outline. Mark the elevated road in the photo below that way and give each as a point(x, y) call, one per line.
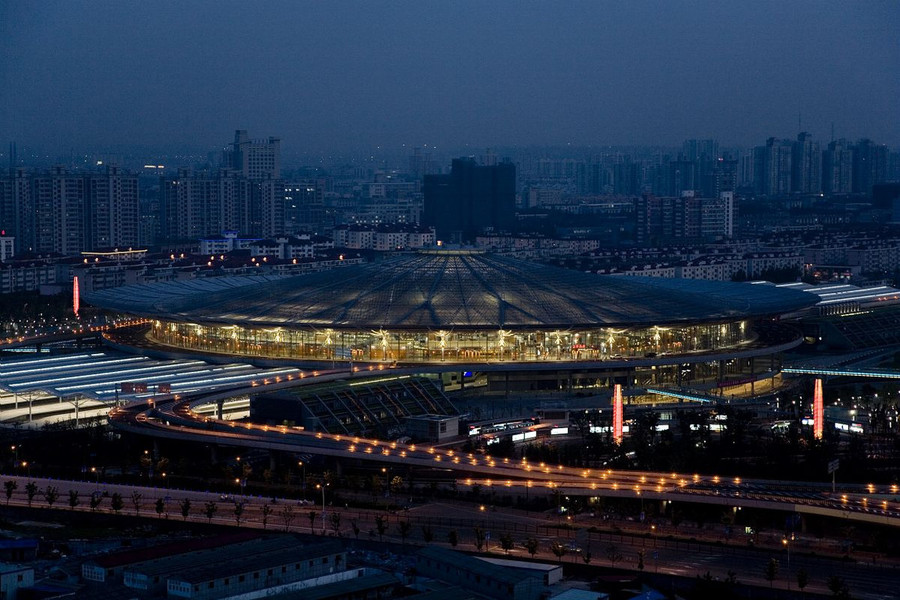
point(175, 417)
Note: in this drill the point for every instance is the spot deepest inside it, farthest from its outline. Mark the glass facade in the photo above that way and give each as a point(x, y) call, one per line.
point(453, 346)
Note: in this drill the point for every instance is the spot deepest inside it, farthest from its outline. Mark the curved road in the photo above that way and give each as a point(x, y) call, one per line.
point(173, 417)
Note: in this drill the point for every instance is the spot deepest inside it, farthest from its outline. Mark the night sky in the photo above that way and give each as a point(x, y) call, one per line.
point(328, 76)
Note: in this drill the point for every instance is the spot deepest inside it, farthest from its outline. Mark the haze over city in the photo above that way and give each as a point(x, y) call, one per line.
point(449, 301)
point(351, 76)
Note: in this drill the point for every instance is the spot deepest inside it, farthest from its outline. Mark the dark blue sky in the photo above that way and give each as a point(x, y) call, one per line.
point(329, 76)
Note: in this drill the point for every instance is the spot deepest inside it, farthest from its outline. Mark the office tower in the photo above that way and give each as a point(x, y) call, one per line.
point(254, 159)
point(806, 165)
point(837, 168)
point(470, 199)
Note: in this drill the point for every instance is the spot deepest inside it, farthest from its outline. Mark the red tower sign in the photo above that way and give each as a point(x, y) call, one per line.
point(618, 409)
point(76, 297)
point(818, 411)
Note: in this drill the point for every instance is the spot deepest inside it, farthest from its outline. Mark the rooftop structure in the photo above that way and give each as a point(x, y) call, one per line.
point(451, 305)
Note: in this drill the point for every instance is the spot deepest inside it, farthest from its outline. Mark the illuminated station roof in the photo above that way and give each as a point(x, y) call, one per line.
point(451, 290)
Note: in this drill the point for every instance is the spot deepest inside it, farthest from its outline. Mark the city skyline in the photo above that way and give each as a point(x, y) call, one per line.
point(377, 76)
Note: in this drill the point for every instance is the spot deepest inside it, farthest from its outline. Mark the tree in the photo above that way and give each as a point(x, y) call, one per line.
point(479, 538)
point(161, 465)
point(266, 511)
point(586, 556)
point(160, 506)
point(136, 498)
point(531, 545)
point(771, 571)
point(559, 550)
point(31, 490)
point(238, 511)
point(403, 527)
point(802, 579)
point(336, 522)
point(116, 502)
point(376, 484)
point(427, 533)
point(312, 520)
point(355, 526)
point(640, 564)
point(287, 516)
point(506, 542)
point(96, 500)
point(453, 537)
point(613, 554)
point(380, 525)
point(210, 510)
point(10, 486)
point(51, 495)
point(838, 587)
point(185, 506)
point(73, 499)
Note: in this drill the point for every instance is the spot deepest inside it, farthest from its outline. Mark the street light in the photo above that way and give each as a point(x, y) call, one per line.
point(387, 481)
point(787, 544)
point(303, 474)
point(322, 486)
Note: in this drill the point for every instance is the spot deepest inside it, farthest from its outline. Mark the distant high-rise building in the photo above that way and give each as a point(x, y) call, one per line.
point(254, 159)
point(726, 176)
point(112, 210)
point(806, 165)
point(686, 217)
point(471, 199)
point(421, 164)
point(772, 167)
point(17, 208)
point(837, 168)
point(57, 211)
point(304, 205)
point(683, 177)
point(196, 205)
point(695, 150)
point(869, 166)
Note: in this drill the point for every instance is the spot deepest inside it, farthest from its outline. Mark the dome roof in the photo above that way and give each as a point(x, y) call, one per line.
point(452, 290)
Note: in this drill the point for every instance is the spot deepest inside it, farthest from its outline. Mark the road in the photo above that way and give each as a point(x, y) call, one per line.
point(175, 417)
point(873, 581)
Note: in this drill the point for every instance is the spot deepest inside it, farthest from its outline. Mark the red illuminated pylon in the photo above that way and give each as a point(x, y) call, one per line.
point(76, 298)
point(818, 411)
point(618, 409)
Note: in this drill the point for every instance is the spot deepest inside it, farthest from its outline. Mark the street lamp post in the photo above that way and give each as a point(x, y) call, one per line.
point(323, 486)
point(302, 474)
point(787, 544)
